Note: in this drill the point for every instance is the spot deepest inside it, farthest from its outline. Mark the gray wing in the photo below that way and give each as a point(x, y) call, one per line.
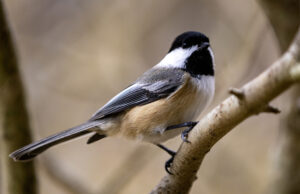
point(144, 91)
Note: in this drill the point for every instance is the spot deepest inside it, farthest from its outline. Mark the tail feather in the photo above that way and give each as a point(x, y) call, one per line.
point(30, 151)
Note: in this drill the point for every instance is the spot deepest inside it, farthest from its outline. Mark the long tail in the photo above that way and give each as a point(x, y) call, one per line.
point(30, 151)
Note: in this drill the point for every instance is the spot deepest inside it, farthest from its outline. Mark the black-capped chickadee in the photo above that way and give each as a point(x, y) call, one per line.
point(159, 105)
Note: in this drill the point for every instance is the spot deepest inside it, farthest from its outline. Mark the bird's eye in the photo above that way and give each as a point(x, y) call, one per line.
point(184, 44)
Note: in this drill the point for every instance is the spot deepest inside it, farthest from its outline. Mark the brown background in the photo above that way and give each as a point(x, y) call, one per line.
point(75, 55)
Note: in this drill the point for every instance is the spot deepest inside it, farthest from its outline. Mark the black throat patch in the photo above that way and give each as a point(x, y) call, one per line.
point(200, 63)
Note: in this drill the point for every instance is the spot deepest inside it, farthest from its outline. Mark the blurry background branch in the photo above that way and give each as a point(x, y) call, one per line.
point(125, 173)
point(284, 18)
point(17, 178)
point(115, 183)
point(64, 179)
point(256, 95)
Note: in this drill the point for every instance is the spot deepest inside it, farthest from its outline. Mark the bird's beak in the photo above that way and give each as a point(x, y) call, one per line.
point(204, 45)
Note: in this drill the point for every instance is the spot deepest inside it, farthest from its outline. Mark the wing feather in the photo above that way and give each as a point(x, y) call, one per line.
point(138, 94)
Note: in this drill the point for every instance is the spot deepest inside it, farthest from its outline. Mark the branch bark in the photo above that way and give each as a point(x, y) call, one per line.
point(18, 178)
point(286, 172)
point(232, 111)
point(284, 17)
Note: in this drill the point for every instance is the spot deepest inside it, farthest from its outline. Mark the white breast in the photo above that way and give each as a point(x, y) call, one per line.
point(206, 87)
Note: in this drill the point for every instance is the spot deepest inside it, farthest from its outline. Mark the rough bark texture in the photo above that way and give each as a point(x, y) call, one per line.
point(284, 17)
point(256, 96)
point(17, 178)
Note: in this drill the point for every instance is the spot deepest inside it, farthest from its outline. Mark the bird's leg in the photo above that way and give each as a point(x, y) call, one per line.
point(184, 136)
point(171, 152)
point(170, 161)
point(186, 124)
point(185, 133)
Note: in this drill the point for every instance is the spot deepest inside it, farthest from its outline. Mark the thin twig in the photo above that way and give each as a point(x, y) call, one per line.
point(271, 109)
point(237, 92)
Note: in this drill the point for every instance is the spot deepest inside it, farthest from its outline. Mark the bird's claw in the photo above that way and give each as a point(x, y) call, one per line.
point(185, 135)
point(168, 164)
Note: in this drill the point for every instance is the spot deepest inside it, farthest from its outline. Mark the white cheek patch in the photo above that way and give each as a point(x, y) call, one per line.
point(176, 58)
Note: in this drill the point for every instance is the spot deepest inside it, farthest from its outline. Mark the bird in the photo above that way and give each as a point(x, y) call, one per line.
point(162, 103)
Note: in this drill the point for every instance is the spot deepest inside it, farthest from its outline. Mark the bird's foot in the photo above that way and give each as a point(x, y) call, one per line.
point(185, 133)
point(169, 163)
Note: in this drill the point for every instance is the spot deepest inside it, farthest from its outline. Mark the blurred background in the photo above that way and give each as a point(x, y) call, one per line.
point(75, 55)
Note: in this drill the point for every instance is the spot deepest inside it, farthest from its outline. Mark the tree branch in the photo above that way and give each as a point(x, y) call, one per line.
point(284, 18)
point(232, 111)
point(17, 178)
